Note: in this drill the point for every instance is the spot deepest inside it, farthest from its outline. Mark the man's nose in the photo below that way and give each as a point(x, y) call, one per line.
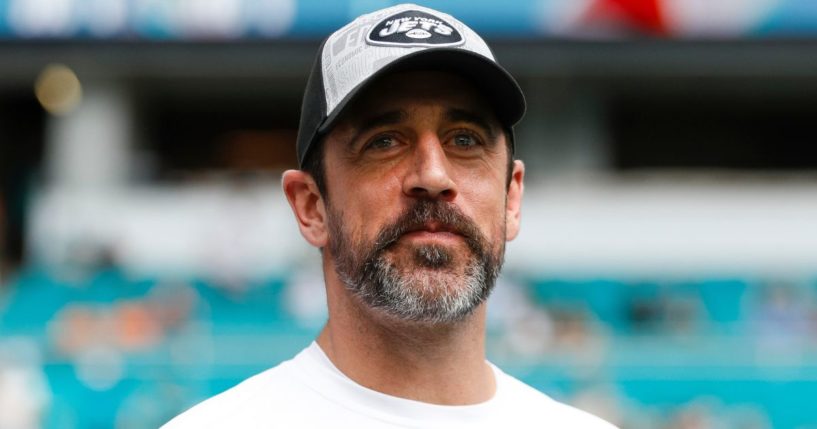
point(429, 174)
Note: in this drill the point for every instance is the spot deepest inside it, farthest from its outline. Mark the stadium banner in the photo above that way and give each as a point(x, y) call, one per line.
point(215, 20)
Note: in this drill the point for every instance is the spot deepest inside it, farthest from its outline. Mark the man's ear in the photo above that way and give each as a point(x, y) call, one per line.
point(513, 206)
point(307, 206)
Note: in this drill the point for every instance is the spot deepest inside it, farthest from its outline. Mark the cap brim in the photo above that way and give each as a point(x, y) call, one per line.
point(495, 83)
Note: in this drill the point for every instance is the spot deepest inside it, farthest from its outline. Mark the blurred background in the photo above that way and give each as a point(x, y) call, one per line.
point(666, 272)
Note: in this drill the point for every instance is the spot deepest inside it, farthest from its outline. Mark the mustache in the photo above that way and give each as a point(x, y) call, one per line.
point(445, 216)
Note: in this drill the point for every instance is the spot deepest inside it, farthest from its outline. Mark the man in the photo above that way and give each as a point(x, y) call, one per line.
point(409, 188)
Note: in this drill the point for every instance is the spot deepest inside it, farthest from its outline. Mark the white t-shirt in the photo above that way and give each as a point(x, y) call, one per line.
point(308, 391)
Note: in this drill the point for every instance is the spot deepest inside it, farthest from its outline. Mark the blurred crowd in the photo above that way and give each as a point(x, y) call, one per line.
point(716, 353)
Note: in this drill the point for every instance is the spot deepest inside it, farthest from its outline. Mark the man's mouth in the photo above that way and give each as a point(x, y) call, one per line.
point(433, 231)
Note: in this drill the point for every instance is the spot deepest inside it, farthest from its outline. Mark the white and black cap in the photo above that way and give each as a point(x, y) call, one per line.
point(402, 37)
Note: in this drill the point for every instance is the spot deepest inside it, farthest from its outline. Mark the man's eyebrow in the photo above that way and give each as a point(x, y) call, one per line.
point(480, 120)
point(369, 123)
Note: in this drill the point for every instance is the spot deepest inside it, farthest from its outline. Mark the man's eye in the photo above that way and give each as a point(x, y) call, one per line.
point(382, 142)
point(465, 141)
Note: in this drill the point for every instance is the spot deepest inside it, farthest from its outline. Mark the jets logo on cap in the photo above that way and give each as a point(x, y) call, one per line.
point(414, 28)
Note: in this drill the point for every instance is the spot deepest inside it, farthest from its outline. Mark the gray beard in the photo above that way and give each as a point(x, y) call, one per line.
point(431, 288)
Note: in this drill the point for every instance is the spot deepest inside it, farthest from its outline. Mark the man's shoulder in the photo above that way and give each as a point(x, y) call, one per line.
point(532, 405)
point(245, 402)
point(570, 417)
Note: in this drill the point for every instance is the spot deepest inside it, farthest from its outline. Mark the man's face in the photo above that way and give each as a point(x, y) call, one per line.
point(416, 175)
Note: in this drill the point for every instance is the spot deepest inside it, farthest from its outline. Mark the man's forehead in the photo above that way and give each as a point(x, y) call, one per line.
point(446, 114)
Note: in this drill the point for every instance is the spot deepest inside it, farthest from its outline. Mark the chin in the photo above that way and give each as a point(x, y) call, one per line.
point(432, 295)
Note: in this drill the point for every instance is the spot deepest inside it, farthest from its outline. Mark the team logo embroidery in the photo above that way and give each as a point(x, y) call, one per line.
point(414, 28)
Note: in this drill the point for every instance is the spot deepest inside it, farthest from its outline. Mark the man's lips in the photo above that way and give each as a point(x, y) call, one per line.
point(433, 231)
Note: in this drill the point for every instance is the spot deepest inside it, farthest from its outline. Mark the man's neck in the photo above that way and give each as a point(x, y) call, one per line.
point(440, 364)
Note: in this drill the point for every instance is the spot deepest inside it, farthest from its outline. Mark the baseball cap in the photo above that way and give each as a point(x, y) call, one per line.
point(398, 38)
